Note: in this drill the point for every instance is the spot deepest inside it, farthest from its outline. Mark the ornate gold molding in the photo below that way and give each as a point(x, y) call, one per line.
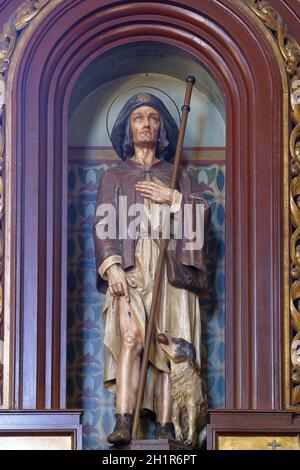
point(288, 46)
point(19, 20)
point(290, 51)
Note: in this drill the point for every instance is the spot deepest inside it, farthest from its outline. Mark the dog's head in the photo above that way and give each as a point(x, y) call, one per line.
point(177, 349)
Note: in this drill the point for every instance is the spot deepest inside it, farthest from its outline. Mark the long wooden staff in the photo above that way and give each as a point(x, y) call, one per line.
point(163, 246)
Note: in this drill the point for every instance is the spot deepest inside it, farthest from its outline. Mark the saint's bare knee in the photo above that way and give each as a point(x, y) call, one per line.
point(132, 340)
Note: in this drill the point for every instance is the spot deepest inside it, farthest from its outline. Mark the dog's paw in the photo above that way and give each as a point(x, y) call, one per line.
point(190, 442)
point(179, 436)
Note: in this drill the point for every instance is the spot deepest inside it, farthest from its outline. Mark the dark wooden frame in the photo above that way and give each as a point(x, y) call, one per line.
point(255, 423)
point(238, 54)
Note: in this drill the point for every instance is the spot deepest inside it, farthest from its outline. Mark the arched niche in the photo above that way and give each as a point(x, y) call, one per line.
point(54, 50)
point(117, 75)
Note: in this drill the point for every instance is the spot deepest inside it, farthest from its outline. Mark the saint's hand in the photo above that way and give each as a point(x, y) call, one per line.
point(118, 282)
point(156, 191)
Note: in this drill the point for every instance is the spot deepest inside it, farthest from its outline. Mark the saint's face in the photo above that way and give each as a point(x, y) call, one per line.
point(145, 124)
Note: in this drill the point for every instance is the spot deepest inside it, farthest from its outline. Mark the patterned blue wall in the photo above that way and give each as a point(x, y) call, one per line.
point(85, 327)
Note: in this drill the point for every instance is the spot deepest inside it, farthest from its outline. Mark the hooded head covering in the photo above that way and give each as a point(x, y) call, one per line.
point(169, 124)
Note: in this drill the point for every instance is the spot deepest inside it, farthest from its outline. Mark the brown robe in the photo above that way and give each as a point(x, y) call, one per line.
point(120, 181)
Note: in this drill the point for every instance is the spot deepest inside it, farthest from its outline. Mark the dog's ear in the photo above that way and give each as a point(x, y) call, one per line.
point(186, 349)
point(191, 353)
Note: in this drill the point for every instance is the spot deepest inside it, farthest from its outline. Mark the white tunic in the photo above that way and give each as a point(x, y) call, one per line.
point(179, 312)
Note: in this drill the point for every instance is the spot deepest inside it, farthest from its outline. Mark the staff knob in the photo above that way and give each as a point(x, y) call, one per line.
point(190, 79)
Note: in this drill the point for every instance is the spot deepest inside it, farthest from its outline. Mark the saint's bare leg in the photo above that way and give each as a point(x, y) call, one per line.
point(128, 371)
point(165, 429)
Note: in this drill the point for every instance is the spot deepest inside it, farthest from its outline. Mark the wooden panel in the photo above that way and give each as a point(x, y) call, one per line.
point(40, 429)
point(16, 441)
point(253, 430)
point(258, 442)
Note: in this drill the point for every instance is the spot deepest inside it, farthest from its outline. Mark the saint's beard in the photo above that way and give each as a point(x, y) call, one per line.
point(151, 143)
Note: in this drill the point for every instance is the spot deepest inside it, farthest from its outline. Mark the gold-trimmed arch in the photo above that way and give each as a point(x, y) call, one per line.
point(25, 19)
point(287, 52)
point(290, 53)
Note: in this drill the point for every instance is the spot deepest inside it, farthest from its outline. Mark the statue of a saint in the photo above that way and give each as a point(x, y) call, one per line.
point(144, 137)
